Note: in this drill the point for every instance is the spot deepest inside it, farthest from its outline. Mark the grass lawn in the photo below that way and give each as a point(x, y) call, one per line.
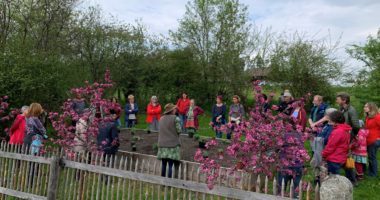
point(369, 188)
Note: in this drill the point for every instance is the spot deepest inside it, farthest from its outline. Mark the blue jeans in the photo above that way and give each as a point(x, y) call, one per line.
point(296, 176)
point(333, 168)
point(183, 119)
point(372, 151)
point(218, 133)
point(117, 123)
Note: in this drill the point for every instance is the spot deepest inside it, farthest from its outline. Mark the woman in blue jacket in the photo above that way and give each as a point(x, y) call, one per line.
point(219, 111)
point(131, 110)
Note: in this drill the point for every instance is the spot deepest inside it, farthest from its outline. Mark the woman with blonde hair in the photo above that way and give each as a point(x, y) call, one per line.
point(18, 127)
point(153, 111)
point(35, 131)
point(372, 123)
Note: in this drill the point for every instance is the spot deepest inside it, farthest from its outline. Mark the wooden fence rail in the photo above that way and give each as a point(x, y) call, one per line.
point(57, 175)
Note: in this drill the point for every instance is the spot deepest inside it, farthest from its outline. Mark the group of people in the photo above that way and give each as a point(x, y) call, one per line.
point(28, 129)
point(188, 113)
point(338, 134)
point(340, 139)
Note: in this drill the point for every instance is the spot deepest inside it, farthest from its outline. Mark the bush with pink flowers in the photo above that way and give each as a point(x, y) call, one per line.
point(6, 116)
point(98, 110)
point(257, 145)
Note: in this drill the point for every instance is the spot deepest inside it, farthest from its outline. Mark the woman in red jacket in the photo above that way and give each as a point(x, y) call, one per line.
point(372, 123)
point(153, 111)
point(336, 150)
point(182, 105)
point(299, 114)
point(17, 132)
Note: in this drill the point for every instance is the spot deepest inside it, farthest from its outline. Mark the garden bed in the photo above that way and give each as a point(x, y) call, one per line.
point(146, 142)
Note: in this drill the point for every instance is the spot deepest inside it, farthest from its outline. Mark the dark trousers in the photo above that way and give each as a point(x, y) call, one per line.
point(218, 133)
point(333, 168)
point(230, 132)
point(183, 119)
point(351, 175)
point(169, 163)
point(130, 123)
point(296, 176)
point(372, 151)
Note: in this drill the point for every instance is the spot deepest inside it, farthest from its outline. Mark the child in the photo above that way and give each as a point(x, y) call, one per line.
point(337, 148)
point(359, 152)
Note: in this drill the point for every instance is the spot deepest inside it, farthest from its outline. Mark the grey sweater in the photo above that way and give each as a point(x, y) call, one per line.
point(168, 134)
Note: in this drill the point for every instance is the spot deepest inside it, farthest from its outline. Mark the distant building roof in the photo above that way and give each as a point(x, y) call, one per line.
point(259, 72)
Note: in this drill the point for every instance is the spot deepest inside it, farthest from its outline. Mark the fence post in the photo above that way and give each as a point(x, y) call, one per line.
point(53, 179)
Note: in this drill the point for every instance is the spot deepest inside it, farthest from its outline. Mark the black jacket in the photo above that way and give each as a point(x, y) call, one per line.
point(108, 138)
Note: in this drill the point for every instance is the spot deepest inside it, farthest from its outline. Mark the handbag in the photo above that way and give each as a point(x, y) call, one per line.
point(350, 163)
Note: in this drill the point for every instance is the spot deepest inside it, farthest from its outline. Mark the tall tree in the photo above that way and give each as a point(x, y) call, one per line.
point(216, 31)
point(367, 81)
point(304, 66)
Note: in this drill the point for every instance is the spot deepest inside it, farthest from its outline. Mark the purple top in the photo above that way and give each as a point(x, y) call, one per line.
point(33, 127)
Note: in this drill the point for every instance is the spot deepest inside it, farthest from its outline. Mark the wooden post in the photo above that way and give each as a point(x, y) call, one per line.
point(308, 191)
point(291, 189)
point(283, 187)
point(266, 185)
point(258, 183)
point(316, 192)
point(300, 190)
point(274, 186)
point(53, 179)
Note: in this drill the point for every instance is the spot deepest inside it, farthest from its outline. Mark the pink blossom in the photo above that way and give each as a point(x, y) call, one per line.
point(94, 96)
point(257, 145)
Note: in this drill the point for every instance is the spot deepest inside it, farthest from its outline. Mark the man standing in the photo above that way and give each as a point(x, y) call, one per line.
point(351, 118)
point(286, 103)
point(317, 111)
point(108, 138)
point(349, 112)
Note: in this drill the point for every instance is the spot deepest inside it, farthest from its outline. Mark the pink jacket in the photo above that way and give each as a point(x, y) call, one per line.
point(359, 146)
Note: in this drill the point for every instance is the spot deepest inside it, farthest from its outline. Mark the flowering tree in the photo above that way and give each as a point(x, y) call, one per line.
point(98, 111)
point(6, 116)
point(259, 145)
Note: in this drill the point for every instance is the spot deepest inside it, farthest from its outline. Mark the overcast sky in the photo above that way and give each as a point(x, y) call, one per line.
point(354, 20)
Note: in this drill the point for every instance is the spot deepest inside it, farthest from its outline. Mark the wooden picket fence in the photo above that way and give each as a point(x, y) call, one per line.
point(56, 175)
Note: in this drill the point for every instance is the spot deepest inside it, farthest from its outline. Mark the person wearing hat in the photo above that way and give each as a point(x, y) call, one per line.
point(131, 110)
point(219, 111)
point(286, 104)
point(153, 112)
point(168, 140)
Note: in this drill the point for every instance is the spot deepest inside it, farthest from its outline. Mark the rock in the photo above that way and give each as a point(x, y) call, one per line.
point(336, 187)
